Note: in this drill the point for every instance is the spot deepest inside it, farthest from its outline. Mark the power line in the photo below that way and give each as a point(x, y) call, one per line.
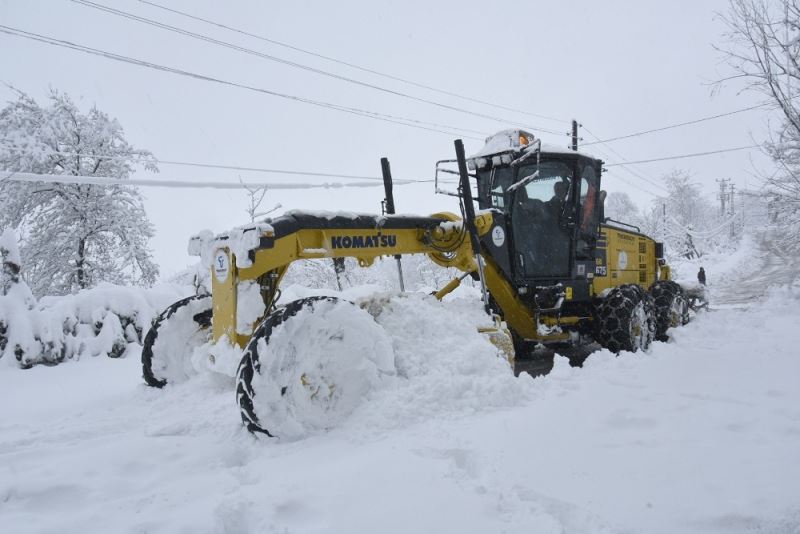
point(623, 166)
point(637, 186)
point(681, 156)
point(400, 181)
point(412, 123)
point(348, 64)
point(172, 184)
point(633, 184)
point(678, 125)
point(628, 180)
point(293, 64)
point(284, 171)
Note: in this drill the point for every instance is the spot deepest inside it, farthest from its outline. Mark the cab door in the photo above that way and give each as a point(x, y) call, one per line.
point(540, 211)
point(590, 209)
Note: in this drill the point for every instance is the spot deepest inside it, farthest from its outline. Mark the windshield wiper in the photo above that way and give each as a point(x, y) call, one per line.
point(528, 152)
point(525, 181)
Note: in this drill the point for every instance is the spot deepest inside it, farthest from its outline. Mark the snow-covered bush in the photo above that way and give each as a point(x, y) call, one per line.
point(16, 300)
point(93, 322)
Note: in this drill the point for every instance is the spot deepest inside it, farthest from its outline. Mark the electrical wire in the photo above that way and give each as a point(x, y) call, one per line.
point(622, 166)
point(349, 64)
point(636, 186)
point(622, 178)
point(412, 123)
point(681, 156)
point(293, 64)
point(172, 184)
point(677, 125)
point(241, 168)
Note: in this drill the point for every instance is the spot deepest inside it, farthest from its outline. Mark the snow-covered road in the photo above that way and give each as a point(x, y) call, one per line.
point(758, 264)
point(701, 434)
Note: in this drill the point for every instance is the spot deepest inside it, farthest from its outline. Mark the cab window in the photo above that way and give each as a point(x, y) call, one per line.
point(588, 200)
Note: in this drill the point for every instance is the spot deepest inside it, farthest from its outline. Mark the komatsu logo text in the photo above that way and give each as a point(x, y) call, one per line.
point(364, 241)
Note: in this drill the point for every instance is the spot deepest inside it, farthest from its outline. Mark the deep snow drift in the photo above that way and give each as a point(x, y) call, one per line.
point(700, 434)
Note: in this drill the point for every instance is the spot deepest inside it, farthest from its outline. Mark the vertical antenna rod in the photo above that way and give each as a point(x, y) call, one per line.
point(389, 202)
point(469, 217)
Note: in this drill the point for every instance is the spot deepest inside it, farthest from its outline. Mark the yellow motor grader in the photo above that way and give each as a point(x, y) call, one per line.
point(552, 269)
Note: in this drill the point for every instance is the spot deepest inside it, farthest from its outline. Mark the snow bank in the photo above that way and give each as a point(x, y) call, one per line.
point(390, 361)
point(444, 365)
point(100, 321)
point(700, 435)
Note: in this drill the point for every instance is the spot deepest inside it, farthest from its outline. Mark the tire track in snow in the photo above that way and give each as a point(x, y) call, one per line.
point(749, 281)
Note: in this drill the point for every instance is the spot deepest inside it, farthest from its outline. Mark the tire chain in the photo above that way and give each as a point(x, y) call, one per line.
point(251, 364)
point(664, 292)
point(150, 339)
point(614, 314)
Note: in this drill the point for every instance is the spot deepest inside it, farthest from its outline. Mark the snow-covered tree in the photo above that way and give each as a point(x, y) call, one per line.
point(73, 235)
point(686, 205)
point(620, 207)
point(683, 218)
point(763, 49)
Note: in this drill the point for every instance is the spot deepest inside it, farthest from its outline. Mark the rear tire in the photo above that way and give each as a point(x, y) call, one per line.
point(672, 307)
point(626, 319)
point(171, 340)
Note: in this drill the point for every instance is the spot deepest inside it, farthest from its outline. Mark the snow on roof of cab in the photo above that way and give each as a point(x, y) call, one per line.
point(508, 141)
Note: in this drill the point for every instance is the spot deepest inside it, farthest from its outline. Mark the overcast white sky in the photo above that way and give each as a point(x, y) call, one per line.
point(618, 67)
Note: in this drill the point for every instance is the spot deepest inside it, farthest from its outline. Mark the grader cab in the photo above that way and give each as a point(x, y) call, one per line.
point(553, 271)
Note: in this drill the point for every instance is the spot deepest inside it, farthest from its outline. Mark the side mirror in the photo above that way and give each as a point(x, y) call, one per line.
point(602, 207)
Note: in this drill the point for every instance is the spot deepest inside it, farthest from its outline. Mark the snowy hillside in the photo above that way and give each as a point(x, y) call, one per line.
point(700, 434)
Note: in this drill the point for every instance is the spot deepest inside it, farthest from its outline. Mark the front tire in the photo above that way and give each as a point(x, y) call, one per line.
point(172, 339)
point(309, 365)
point(626, 319)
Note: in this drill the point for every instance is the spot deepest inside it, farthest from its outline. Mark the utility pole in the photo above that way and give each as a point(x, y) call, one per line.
point(574, 135)
point(723, 186)
point(733, 210)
